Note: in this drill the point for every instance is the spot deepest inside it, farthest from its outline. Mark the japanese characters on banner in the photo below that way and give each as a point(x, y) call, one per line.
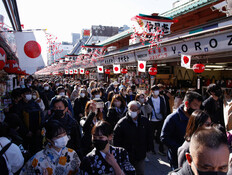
point(119, 59)
point(186, 61)
point(31, 50)
point(100, 69)
point(116, 69)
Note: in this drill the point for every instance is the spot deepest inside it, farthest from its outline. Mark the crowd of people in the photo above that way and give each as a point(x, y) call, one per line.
point(66, 126)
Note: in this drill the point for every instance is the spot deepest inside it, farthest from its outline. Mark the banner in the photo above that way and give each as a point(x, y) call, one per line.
point(142, 66)
point(116, 69)
point(185, 61)
point(100, 69)
point(31, 50)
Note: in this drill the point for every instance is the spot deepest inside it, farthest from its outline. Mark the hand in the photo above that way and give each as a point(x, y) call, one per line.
point(110, 159)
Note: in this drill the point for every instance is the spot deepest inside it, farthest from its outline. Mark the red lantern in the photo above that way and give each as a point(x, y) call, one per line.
point(123, 71)
point(11, 66)
point(2, 58)
point(107, 71)
point(19, 71)
point(87, 72)
point(198, 68)
point(152, 70)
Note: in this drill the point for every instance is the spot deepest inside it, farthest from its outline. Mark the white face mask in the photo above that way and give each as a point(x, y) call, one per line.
point(97, 96)
point(62, 93)
point(133, 114)
point(28, 97)
point(82, 95)
point(46, 88)
point(156, 93)
point(141, 100)
point(34, 97)
point(61, 142)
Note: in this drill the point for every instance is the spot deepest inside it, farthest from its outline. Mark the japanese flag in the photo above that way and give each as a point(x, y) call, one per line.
point(142, 66)
point(185, 61)
point(70, 71)
point(66, 72)
point(31, 50)
point(82, 71)
point(100, 69)
point(116, 69)
point(75, 71)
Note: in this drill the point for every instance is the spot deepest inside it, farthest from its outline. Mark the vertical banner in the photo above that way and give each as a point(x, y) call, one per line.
point(31, 50)
point(185, 61)
point(100, 69)
point(142, 66)
point(116, 69)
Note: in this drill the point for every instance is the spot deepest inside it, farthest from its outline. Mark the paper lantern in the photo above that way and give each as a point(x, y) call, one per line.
point(2, 58)
point(19, 71)
point(152, 71)
point(124, 71)
point(107, 71)
point(11, 66)
point(87, 72)
point(198, 68)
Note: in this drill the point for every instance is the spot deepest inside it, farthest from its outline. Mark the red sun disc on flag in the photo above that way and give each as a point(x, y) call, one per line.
point(141, 65)
point(186, 59)
point(100, 69)
point(32, 49)
point(81, 70)
point(116, 68)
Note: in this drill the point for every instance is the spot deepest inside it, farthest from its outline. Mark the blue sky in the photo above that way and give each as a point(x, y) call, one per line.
point(63, 17)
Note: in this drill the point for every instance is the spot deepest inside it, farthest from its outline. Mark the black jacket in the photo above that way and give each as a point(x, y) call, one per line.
point(162, 106)
point(137, 140)
point(215, 110)
point(185, 170)
point(79, 107)
point(113, 116)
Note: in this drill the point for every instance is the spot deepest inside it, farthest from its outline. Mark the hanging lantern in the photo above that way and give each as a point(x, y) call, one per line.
point(107, 71)
point(19, 71)
point(152, 70)
point(11, 66)
point(2, 58)
point(87, 72)
point(124, 71)
point(198, 68)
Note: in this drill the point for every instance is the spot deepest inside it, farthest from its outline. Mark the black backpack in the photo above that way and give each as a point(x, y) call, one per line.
point(3, 166)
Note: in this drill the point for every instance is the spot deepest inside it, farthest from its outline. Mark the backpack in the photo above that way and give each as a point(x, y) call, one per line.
point(3, 165)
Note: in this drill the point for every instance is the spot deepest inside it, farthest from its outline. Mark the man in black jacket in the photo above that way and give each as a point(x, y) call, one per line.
point(214, 104)
point(209, 153)
point(133, 133)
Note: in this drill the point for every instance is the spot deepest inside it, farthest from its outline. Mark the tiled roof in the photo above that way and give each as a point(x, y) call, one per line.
point(187, 7)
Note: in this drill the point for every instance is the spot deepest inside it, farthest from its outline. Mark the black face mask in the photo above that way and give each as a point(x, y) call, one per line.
point(100, 144)
point(190, 111)
point(58, 113)
point(211, 173)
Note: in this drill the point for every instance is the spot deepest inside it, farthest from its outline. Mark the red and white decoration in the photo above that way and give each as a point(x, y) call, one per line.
point(185, 61)
point(107, 71)
point(116, 69)
point(75, 71)
point(11, 66)
point(66, 72)
point(124, 71)
point(31, 50)
point(82, 71)
point(71, 71)
point(100, 69)
point(142, 66)
point(87, 72)
point(152, 71)
point(2, 58)
point(198, 68)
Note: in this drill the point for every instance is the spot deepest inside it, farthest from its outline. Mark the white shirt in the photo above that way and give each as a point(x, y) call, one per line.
point(156, 104)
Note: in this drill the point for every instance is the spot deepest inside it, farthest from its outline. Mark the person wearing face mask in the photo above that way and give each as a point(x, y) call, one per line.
point(60, 113)
point(35, 97)
point(214, 104)
point(93, 114)
point(117, 110)
point(75, 92)
point(174, 127)
point(109, 99)
point(61, 93)
point(113, 87)
point(32, 117)
point(90, 88)
point(146, 109)
point(123, 94)
point(55, 158)
point(79, 104)
point(208, 153)
point(133, 132)
point(157, 118)
point(129, 96)
point(114, 160)
point(95, 93)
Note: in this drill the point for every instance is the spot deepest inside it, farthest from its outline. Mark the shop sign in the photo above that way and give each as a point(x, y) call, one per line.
point(119, 59)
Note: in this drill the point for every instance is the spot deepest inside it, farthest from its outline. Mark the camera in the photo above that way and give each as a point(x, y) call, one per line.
point(219, 6)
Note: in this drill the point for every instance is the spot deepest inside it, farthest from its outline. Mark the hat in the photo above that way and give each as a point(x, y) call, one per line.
point(154, 87)
point(115, 83)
